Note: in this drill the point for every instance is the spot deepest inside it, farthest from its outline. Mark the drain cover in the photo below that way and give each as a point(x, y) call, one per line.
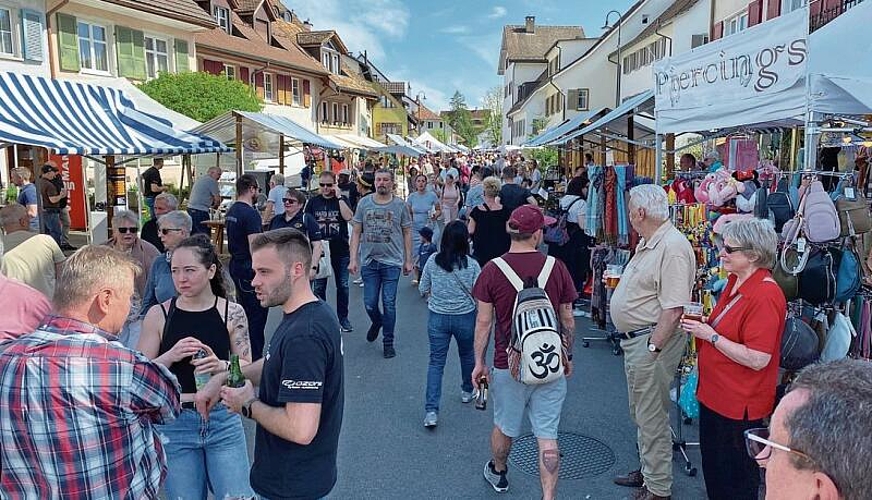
point(581, 456)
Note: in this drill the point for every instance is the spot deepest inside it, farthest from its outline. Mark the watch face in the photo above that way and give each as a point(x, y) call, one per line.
point(652, 348)
point(246, 411)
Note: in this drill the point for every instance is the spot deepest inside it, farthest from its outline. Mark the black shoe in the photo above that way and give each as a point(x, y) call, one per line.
point(345, 325)
point(372, 334)
point(390, 352)
point(633, 479)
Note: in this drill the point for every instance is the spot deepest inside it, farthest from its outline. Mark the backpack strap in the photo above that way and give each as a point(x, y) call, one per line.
point(509, 273)
point(542, 280)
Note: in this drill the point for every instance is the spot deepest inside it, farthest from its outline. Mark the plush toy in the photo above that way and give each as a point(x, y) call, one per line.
point(702, 191)
point(683, 191)
point(723, 188)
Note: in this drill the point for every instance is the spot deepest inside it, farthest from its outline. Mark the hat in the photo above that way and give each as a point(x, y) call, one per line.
point(48, 168)
point(426, 232)
point(527, 219)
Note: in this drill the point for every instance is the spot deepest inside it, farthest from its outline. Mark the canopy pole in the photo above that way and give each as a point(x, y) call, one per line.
point(116, 189)
point(658, 158)
point(282, 154)
point(631, 136)
point(238, 146)
point(670, 158)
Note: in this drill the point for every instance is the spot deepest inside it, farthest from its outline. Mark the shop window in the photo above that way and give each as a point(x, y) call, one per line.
point(222, 16)
point(157, 59)
point(93, 53)
point(296, 96)
point(6, 32)
point(268, 87)
point(230, 72)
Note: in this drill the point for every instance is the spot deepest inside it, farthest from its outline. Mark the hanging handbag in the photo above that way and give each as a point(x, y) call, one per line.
point(799, 345)
point(817, 281)
point(847, 276)
point(853, 211)
point(816, 217)
point(839, 338)
point(788, 283)
point(780, 205)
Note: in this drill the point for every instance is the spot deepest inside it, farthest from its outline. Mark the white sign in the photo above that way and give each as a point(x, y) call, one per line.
point(732, 80)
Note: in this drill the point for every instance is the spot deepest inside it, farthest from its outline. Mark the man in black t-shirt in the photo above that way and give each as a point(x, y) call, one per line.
point(152, 185)
point(243, 224)
point(332, 212)
point(512, 195)
point(300, 405)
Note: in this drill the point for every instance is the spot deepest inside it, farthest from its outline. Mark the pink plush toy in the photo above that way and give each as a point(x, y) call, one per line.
point(723, 189)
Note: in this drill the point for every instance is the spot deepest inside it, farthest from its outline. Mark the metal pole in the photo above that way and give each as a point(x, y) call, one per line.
point(620, 66)
point(238, 146)
point(658, 158)
point(282, 154)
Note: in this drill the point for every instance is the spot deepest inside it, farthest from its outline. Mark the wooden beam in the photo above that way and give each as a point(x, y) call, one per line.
point(670, 157)
point(631, 135)
point(282, 154)
point(238, 146)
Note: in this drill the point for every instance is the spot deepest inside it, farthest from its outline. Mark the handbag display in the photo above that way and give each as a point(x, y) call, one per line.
point(852, 209)
point(799, 345)
point(847, 276)
point(839, 338)
point(816, 217)
point(817, 281)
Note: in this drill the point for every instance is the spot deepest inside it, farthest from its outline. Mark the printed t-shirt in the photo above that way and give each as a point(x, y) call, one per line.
point(333, 227)
point(494, 288)
point(382, 224)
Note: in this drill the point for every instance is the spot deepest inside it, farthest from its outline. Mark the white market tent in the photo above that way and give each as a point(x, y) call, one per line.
point(431, 143)
point(399, 141)
point(361, 142)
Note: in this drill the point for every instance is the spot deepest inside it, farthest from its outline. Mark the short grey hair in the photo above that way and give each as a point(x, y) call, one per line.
point(214, 169)
point(278, 179)
point(172, 201)
point(832, 427)
point(653, 199)
point(11, 214)
point(758, 235)
point(176, 220)
point(125, 215)
point(89, 270)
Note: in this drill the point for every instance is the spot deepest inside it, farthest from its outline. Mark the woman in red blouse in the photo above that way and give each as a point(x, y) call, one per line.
point(739, 348)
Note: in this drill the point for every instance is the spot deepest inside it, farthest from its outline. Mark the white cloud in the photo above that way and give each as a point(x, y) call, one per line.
point(362, 24)
point(498, 12)
point(455, 30)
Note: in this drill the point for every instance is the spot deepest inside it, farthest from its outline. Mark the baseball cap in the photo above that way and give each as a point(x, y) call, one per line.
point(527, 219)
point(48, 168)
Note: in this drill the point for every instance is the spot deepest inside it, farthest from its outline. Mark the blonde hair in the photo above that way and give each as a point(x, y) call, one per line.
point(491, 186)
point(22, 172)
point(89, 270)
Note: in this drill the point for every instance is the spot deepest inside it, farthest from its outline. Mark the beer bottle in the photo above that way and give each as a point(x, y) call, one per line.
point(481, 400)
point(235, 378)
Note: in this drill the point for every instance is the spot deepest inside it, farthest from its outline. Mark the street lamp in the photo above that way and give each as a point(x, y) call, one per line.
point(619, 63)
point(418, 98)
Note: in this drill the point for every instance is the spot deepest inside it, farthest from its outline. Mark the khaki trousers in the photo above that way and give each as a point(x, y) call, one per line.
point(648, 382)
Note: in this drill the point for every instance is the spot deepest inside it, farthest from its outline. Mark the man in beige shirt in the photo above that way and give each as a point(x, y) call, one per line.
point(15, 222)
point(36, 262)
point(646, 308)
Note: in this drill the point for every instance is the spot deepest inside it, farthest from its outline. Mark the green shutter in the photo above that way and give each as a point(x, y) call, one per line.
point(68, 40)
point(182, 63)
point(572, 99)
point(130, 47)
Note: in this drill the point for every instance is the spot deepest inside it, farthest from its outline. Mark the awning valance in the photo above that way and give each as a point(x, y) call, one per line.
point(78, 118)
point(223, 128)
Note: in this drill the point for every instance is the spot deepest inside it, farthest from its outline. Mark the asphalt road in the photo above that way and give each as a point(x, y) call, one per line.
point(386, 453)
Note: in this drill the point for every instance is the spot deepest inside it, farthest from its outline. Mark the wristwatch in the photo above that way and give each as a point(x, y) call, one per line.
point(714, 338)
point(652, 347)
point(246, 407)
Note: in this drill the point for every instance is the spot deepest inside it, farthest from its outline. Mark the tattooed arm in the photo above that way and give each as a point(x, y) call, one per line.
point(237, 325)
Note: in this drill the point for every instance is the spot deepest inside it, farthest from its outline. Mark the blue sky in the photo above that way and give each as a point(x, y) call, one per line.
point(440, 47)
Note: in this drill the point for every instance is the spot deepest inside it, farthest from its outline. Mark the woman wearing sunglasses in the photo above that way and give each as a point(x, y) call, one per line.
point(125, 226)
point(174, 227)
point(295, 218)
point(739, 348)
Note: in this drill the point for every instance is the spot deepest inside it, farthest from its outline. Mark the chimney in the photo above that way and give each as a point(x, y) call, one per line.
point(530, 24)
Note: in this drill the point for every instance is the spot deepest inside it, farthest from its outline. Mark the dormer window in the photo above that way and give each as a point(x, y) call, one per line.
point(330, 60)
point(287, 16)
point(222, 16)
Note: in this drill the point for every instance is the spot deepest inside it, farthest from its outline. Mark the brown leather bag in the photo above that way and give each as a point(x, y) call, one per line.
point(854, 217)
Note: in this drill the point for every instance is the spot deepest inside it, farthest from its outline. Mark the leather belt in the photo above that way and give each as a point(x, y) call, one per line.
point(637, 333)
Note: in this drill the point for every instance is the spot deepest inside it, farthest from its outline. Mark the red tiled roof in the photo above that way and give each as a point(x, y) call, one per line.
point(424, 113)
point(180, 10)
point(252, 45)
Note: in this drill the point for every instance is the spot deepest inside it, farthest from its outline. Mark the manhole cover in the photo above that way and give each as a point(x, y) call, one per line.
point(581, 456)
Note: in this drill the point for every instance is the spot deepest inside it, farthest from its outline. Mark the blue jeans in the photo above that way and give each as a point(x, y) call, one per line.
point(440, 328)
point(206, 454)
point(52, 221)
point(340, 274)
point(256, 314)
point(381, 278)
point(149, 202)
point(197, 219)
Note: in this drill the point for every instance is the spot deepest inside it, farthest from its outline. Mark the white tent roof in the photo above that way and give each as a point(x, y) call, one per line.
point(361, 141)
point(838, 67)
point(427, 140)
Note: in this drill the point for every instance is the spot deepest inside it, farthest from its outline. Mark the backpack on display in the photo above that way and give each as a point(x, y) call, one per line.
point(535, 347)
point(557, 233)
point(816, 218)
point(780, 205)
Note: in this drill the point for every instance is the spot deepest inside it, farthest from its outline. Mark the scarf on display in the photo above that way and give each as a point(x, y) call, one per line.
point(594, 201)
point(610, 213)
point(624, 174)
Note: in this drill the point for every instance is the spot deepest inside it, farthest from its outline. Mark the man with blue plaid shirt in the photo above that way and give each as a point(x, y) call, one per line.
point(78, 409)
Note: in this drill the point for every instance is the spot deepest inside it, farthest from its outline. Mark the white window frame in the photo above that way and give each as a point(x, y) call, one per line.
point(268, 88)
point(330, 59)
point(107, 42)
point(325, 109)
point(222, 16)
point(296, 92)
point(13, 38)
point(736, 23)
point(230, 72)
point(788, 6)
point(583, 97)
point(153, 54)
point(346, 116)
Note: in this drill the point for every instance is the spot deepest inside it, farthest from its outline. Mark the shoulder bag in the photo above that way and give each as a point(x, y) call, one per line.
point(853, 210)
point(816, 218)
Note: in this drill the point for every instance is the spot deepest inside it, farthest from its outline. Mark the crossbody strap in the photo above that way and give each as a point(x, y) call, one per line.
point(719, 317)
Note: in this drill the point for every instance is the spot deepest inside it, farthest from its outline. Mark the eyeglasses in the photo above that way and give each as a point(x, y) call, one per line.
point(167, 230)
point(731, 250)
point(760, 448)
point(124, 230)
point(290, 201)
point(326, 185)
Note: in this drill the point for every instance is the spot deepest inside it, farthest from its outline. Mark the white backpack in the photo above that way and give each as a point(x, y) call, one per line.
point(536, 347)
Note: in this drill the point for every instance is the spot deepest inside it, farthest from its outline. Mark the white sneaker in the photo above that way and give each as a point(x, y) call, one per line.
point(431, 419)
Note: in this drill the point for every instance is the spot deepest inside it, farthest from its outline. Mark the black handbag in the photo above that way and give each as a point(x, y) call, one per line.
point(799, 345)
point(817, 281)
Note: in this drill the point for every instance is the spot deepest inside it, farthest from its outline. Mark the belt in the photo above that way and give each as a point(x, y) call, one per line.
point(197, 210)
point(638, 333)
point(189, 405)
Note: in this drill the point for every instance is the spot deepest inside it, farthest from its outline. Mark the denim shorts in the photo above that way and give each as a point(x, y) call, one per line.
point(511, 399)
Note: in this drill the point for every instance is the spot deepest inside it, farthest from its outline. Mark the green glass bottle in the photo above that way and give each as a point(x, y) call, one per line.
point(235, 378)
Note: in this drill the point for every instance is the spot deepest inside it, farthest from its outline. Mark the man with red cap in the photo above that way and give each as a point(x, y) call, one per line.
point(512, 400)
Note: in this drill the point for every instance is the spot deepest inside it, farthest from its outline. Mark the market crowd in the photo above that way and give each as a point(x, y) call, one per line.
point(117, 362)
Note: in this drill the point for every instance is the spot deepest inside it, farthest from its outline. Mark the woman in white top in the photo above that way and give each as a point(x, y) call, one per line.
point(577, 256)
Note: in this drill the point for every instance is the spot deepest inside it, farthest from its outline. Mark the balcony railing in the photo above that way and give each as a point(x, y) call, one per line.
point(816, 21)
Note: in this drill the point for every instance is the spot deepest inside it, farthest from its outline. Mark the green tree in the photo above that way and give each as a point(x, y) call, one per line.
point(460, 119)
point(493, 123)
point(440, 135)
point(201, 96)
point(539, 125)
point(546, 156)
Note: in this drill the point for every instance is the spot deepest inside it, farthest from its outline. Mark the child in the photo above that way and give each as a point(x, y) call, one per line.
point(425, 250)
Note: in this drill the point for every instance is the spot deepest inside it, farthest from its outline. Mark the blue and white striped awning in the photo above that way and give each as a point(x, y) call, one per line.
point(77, 118)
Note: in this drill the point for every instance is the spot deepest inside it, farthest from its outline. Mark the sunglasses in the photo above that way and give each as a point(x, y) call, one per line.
point(290, 201)
point(759, 447)
point(124, 230)
point(326, 185)
point(731, 250)
point(165, 230)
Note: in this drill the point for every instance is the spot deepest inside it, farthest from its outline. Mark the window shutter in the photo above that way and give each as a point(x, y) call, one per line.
point(31, 35)
point(774, 9)
point(130, 46)
point(287, 93)
point(213, 67)
point(245, 76)
point(718, 31)
point(183, 65)
point(755, 12)
point(307, 94)
point(68, 39)
point(258, 84)
point(572, 99)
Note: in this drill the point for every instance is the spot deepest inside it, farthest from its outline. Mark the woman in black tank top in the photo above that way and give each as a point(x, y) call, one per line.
point(202, 455)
